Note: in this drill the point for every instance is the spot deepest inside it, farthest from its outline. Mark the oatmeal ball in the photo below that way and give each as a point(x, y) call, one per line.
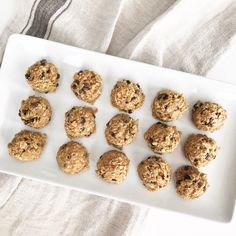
point(72, 158)
point(87, 86)
point(162, 138)
point(190, 183)
point(200, 149)
point(113, 166)
point(208, 116)
point(121, 130)
point(154, 172)
point(43, 76)
point(35, 112)
point(127, 96)
point(27, 145)
point(80, 122)
point(168, 105)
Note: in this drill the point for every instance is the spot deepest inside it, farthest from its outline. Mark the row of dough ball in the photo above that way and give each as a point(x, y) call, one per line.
point(72, 158)
point(43, 77)
point(127, 96)
point(121, 130)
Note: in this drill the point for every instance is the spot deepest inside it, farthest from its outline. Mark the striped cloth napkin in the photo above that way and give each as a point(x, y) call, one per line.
point(185, 35)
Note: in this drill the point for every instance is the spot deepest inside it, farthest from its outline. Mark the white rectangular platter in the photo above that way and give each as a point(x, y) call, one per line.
point(22, 51)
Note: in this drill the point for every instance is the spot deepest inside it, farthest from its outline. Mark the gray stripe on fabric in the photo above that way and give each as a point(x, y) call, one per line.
point(45, 10)
point(31, 11)
point(51, 24)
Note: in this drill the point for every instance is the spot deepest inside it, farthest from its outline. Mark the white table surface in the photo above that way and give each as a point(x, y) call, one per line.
point(161, 222)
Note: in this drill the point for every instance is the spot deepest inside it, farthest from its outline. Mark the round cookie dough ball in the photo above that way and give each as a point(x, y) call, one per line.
point(43, 76)
point(190, 183)
point(127, 96)
point(154, 172)
point(80, 122)
point(113, 166)
point(27, 145)
point(87, 86)
point(168, 105)
point(200, 149)
point(208, 116)
point(72, 158)
point(35, 112)
point(121, 130)
point(162, 138)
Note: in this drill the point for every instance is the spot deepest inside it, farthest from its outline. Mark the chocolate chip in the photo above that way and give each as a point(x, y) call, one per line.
point(113, 134)
point(28, 121)
point(207, 157)
point(187, 167)
point(150, 140)
point(27, 76)
point(48, 71)
point(211, 121)
point(199, 184)
point(128, 81)
point(46, 92)
point(79, 72)
point(74, 86)
point(133, 98)
point(19, 113)
point(34, 104)
point(162, 96)
point(130, 111)
point(82, 120)
point(114, 180)
point(138, 86)
point(85, 88)
point(178, 182)
point(107, 124)
point(58, 76)
point(186, 177)
point(43, 62)
point(57, 85)
point(24, 111)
